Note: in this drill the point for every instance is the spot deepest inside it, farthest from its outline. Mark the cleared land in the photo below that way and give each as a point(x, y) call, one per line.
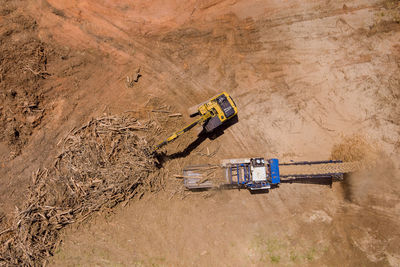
point(312, 80)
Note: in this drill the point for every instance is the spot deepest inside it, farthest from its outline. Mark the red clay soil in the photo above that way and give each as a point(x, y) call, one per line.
point(304, 74)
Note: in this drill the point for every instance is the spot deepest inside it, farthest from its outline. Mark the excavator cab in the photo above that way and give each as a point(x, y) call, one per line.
point(219, 109)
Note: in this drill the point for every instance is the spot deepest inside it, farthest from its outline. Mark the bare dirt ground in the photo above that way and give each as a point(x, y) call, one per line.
point(305, 75)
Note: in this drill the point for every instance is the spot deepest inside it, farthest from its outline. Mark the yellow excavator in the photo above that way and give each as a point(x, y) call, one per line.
point(213, 113)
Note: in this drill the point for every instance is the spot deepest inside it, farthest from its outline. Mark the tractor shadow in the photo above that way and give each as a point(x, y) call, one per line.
point(201, 137)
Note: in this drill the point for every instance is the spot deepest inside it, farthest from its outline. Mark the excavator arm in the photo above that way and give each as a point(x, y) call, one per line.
point(175, 135)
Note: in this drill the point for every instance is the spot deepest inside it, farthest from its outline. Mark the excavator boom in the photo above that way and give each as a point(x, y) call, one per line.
point(175, 135)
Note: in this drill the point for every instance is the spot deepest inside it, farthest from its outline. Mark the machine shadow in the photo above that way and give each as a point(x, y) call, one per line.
point(319, 181)
point(201, 137)
point(259, 192)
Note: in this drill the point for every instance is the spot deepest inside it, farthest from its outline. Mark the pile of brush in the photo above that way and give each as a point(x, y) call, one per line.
point(103, 163)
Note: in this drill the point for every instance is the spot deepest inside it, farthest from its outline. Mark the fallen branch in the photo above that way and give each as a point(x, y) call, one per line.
point(175, 115)
point(6, 231)
point(42, 74)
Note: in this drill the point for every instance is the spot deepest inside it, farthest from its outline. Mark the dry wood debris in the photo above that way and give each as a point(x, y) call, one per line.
point(104, 162)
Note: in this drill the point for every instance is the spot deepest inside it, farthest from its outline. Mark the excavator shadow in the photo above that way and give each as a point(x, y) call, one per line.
point(201, 137)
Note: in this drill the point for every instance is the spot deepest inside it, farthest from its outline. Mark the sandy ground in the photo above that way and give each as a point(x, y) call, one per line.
point(304, 75)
